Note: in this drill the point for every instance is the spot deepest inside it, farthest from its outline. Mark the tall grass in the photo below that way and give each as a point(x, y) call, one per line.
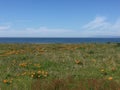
point(60, 66)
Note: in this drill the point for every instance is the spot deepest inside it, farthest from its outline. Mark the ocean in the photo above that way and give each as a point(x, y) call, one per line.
point(59, 40)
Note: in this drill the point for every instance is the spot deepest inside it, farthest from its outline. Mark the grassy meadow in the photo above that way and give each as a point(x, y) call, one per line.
point(91, 66)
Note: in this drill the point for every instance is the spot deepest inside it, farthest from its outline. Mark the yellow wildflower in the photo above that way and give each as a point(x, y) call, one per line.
point(102, 70)
point(5, 81)
point(110, 78)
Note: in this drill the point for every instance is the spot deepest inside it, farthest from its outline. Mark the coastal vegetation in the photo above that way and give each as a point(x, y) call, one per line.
point(91, 66)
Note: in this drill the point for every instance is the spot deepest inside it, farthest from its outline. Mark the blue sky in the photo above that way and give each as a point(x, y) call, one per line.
point(59, 18)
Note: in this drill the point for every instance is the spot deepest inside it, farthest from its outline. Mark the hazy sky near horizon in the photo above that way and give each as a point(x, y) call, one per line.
point(59, 18)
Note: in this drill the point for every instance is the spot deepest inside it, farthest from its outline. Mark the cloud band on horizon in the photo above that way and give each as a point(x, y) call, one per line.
point(98, 27)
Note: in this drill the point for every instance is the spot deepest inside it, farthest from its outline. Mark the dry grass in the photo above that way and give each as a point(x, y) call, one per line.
point(71, 84)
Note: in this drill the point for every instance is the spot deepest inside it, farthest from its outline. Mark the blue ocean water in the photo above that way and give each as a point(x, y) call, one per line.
point(58, 40)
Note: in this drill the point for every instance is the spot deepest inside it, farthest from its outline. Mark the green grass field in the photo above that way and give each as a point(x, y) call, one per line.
point(60, 66)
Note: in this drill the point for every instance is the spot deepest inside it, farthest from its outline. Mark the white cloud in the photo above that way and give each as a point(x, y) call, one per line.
point(98, 27)
point(101, 27)
point(96, 23)
point(4, 27)
point(39, 32)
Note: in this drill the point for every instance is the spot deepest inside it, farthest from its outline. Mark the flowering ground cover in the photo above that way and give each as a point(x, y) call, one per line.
point(90, 66)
